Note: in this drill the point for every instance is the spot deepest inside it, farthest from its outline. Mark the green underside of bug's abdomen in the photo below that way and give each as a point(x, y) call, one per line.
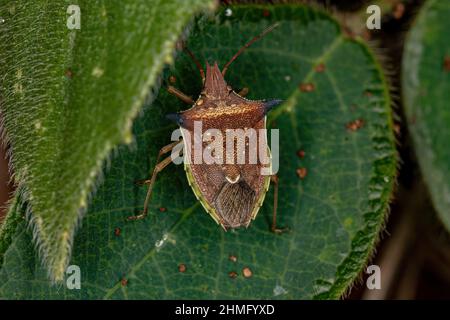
point(211, 209)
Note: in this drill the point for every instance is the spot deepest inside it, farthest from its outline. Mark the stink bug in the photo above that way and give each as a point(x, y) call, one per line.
point(231, 192)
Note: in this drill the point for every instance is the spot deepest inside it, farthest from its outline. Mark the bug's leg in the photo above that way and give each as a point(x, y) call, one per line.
point(163, 150)
point(180, 95)
point(243, 92)
point(158, 168)
point(274, 227)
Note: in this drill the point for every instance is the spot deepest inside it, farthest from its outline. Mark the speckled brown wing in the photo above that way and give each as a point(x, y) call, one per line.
point(231, 193)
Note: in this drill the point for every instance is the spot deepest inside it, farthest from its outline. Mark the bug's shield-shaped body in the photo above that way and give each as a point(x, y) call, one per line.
point(231, 193)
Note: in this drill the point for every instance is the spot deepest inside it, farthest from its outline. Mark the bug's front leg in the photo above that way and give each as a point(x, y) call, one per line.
point(274, 227)
point(158, 168)
point(180, 95)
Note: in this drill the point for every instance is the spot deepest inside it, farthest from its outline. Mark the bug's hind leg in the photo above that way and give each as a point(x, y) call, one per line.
point(158, 168)
point(274, 227)
point(180, 95)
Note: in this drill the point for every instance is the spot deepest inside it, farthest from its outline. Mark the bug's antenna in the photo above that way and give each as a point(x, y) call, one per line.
point(248, 44)
point(197, 63)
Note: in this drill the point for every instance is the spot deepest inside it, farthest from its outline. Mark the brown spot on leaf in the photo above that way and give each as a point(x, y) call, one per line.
point(233, 274)
point(172, 79)
point(266, 13)
point(307, 87)
point(367, 93)
point(301, 153)
point(355, 125)
point(162, 209)
point(69, 73)
point(182, 267)
point(302, 172)
point(232, 258)
point(247, 272)
point(124, 282)
point(447, 63)
point(117, 232)
point(320, 67)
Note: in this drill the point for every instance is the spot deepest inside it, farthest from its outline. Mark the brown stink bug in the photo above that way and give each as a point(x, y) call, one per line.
point(231, 191)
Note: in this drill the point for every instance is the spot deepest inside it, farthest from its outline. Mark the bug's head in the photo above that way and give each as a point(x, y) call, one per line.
point(215, 85)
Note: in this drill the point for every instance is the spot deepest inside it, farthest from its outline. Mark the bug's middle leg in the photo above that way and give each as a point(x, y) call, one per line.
point(243, 92)
point(163, 150)
point(158, 168)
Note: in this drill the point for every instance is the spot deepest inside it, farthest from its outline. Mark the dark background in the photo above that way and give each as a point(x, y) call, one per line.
point(414, 253)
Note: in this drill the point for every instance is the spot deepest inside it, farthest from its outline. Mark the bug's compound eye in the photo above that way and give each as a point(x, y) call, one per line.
point(269, 105)
point(176, 117)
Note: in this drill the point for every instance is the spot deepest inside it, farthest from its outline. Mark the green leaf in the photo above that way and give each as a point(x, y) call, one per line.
point(68, 97)
point(334, 214)
point(8, 226)
point(426, 93)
